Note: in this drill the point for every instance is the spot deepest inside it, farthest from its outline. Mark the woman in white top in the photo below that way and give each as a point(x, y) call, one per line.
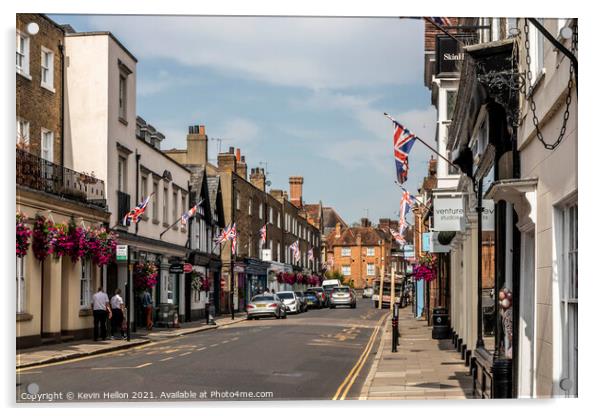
point(117, 308)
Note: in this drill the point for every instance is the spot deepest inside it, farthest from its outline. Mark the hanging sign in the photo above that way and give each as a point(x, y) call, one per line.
point(448, 213)
point(176, 268)
point(488, 218)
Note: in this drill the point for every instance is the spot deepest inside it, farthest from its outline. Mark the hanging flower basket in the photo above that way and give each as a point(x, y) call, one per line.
point(105, 247)
point(61, 243)
point(43, 236)
point(145, 275)
point(425, 273)
point(280, 277)
point(23, 233)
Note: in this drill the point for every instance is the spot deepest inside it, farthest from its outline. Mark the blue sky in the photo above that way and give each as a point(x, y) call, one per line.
point(305, 95)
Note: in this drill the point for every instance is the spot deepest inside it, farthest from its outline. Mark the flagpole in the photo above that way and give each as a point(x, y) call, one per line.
point(178, 220)
point(424, 143)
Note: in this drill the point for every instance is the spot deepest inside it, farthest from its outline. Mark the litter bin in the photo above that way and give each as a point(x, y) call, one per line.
point(441, 328)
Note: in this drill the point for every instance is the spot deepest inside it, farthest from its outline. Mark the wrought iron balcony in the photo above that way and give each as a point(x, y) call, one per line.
point(39, 174)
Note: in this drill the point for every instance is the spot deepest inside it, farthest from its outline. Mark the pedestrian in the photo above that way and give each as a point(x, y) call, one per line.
point(100, 310)
point(147, 304)
point(117, 309)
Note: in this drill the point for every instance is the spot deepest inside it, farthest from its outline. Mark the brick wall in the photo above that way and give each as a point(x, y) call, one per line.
point(39, 106)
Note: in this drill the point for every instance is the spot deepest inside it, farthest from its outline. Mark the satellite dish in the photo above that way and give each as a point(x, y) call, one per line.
point(33, 28)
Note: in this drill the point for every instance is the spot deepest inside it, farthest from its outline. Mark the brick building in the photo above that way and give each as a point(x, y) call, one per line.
point(359, 253)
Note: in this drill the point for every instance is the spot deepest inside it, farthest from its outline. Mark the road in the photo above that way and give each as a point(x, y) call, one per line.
point(321, 354)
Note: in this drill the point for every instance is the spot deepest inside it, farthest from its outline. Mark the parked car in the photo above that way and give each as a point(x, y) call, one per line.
point(266, 305)
point(291, 301)
point(330, 283)
point(343, 295)
point(368, 292)
point(321, 294)
point(327, 293)
point(312, 299)
point(302, 301)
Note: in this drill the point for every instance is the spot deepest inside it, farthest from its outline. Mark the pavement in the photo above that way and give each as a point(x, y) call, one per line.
point(70, 350)
point(319, 355)
point(422, 368)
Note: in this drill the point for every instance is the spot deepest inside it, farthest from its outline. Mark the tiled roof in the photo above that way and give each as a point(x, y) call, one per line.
point(331, 217)
point(348, 237)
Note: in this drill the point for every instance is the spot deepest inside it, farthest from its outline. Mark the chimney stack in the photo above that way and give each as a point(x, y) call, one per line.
point(227, 161)
point(196, 145)
point(241, 165)
point(365, 222)
point(296, 189)
point(258, 178)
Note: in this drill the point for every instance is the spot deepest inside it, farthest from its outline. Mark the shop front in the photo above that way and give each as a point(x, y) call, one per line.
point(256, 278)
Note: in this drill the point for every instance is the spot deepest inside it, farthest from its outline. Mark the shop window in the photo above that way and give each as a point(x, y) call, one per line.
point(85, 292)
point(488, 295)
point(20, 284)
point(169, 290)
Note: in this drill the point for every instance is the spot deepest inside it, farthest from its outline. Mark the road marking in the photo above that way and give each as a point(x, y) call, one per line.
point(121, 368)
point(167, 359)
point(225, 341)
point(185, 353)
point(343, 389)
point(201, 349)
point(213, 345)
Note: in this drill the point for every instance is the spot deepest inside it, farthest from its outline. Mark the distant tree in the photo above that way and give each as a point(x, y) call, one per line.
point(334, 274)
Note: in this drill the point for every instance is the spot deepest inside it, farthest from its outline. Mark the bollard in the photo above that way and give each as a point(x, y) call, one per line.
point(395, 328)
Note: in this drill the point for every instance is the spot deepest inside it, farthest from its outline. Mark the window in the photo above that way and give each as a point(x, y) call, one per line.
point(155, 201)
point(20, 284)
point(260, 211)
point(278, 252)
point(370, 251)
point(569, 297)
point(143, 185)
point(370, 269)
point(22, 132)
point(346, 270)
point(346, 251)
point(47, 69)
point(512, 26)
point(271, 216)
point(122, 174)
point(536, 53)
point(278, 219)
point(47, 145)
point(237, 197)
point(184, 207)
point(171, 284)
point(250, 206)
point(122, 96)
point(23, 54)
point(85, 293)
point(165, 204)
point(174, 208)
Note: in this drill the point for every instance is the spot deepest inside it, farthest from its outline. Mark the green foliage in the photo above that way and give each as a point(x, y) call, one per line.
point(334, 274)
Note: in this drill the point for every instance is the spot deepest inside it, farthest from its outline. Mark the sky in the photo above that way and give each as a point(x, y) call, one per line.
point(304, 95)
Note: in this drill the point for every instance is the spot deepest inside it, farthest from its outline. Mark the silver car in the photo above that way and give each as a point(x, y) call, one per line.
point(291, 301)
point(342, 295)
point(266, 305)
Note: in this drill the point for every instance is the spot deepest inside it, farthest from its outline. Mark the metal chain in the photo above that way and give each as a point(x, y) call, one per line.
point(530, 93)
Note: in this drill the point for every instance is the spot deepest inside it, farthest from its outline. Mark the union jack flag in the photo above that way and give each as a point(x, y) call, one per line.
point(263, 233)
point(398, 237)
point(223, 236)
point(190, 213)
point(405, 206)
point(403, 140)
point(442, 21)
point(296, 251)
point(136, 213)
point(232, 236)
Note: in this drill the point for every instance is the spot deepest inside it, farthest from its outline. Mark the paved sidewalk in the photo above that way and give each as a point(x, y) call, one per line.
point(423, 368)
point(68, 350)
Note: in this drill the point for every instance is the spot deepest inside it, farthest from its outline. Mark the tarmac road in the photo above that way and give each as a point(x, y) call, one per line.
point(322, 354)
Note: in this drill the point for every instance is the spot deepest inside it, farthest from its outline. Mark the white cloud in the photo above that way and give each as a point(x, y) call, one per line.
point(305, 52)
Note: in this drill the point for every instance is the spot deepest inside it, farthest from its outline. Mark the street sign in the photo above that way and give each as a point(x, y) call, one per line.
point(187, 267)
point(176, 268)
point(121, 253)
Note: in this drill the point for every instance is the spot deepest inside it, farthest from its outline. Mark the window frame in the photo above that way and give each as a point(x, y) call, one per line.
point(85, 284)
point(45, 84)
point(23, 70)
point(122, 96)
point(345, 268)
point(370, 269)
point(21, 284)
point(155, 200)
point(345, 251)
point(370, 251)
point(537, 65)
point(43, 148)
point(26, 139)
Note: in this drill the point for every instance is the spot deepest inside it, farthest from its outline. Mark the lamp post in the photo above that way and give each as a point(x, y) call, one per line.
point(233, 251)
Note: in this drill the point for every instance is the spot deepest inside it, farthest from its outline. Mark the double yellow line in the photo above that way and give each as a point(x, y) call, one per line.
point(355, 371)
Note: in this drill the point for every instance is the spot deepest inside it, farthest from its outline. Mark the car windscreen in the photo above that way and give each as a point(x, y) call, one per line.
point(340, 290)
point(328, 287)
point(262, 299)
point(285, 295)
point(310, 295)
point(316, 289)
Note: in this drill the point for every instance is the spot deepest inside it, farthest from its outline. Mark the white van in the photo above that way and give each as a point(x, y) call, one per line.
point(330, 283)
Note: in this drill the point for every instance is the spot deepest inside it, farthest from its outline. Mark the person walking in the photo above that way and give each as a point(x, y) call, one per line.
point(100, 310)
point(147, 304)
point(117, 309)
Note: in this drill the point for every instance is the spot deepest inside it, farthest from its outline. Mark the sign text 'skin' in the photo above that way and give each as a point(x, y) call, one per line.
point(449, 54)
point(448, 213)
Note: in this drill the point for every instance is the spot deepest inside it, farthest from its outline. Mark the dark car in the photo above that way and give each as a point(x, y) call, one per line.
point(321, 294)
point(312, 300)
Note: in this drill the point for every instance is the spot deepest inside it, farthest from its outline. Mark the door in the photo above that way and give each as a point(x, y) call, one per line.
point(187, 297)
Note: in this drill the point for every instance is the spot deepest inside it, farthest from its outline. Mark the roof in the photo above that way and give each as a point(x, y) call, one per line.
point(313, 213)
point(348, 237)
point(104, 33)
point(331, 217)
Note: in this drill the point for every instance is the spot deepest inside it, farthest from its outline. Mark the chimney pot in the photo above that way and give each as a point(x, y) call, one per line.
point(237, 154)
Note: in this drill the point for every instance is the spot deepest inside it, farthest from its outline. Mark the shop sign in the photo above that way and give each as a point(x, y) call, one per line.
point(448, 213)
point(488, 218)
point(426, 242)
point(121, 253)
point(266, 254)
point(187, 267)
point(449, 54)
point(176, 268)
